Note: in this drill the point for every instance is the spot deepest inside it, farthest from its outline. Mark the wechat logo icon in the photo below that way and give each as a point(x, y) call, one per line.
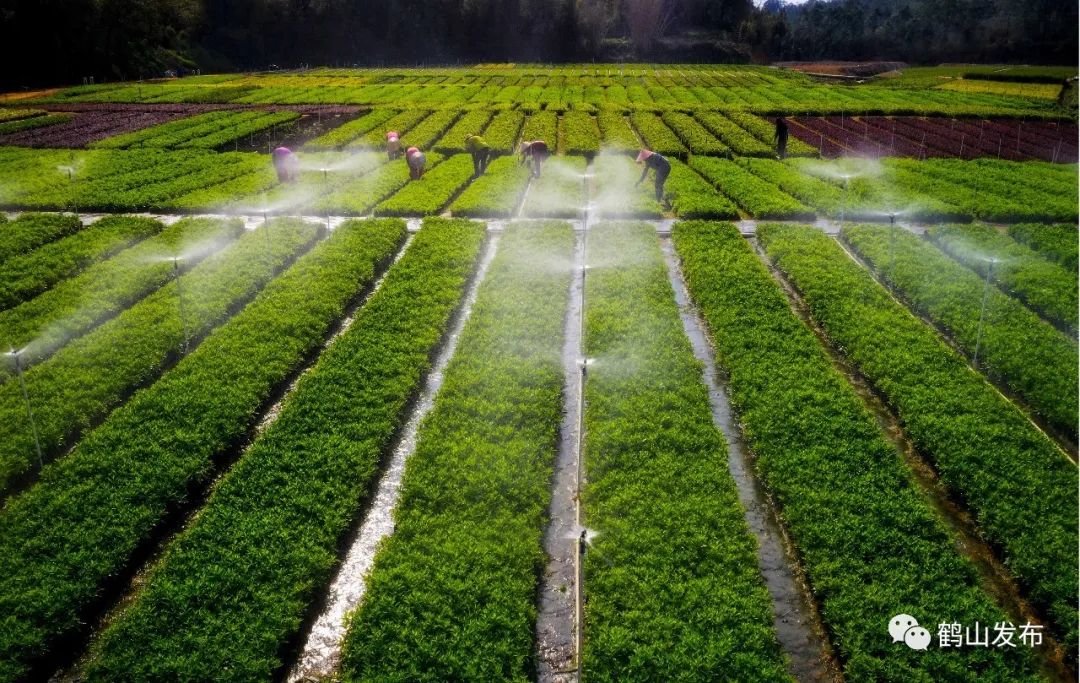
point(905, 628)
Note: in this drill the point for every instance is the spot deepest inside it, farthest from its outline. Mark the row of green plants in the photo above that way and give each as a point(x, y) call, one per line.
point(347, 132)
point(74, 306)
point(671, 580)
point(1057, 243)
point(19, 125)
point(1015, 346)
point(424, 134)
point(82, 382)
point(758, 197)
point(544, 126)
point(402, 122)
point(359, 195)
point(428, 196)
point(1046, 287)
point(496, 193)
point(296, 488)
point(616, 135)
point(25, 276)
point(1020, 488)
point(474, 496)
point(470, 123)
point(204, 131)
point(656, 135)
point(691, 196)
point(786, 92)
point(734, 136)
point(578, 133)
point(977, 194)
point(79, 526)
point(502, 133)
point(30, 231)
point(697, 138)
point(868, 540)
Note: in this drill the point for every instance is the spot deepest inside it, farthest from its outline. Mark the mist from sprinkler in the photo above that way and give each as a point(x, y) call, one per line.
point(180, 302)
point(990, 263)
point(16, 357)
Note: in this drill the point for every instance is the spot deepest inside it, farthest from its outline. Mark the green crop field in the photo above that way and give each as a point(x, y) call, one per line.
point(484, 425)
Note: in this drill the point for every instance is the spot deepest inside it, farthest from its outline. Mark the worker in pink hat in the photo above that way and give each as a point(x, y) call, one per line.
point(416, 160)
point(393, 145)
point(286, 164)
point(658, 163)
point(534, 153)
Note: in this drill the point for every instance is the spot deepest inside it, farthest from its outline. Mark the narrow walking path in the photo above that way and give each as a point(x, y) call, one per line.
point(795, 618)
point(558, 624)
point(321, 652)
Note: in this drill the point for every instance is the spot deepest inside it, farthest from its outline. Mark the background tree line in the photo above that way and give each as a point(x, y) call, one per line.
point(60, 41)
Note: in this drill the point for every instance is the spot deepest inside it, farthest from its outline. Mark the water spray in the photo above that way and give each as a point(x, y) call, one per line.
point(180, 302)
point(982, 313)
point(26, 401)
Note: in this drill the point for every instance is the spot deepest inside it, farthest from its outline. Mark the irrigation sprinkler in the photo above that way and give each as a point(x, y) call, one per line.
point(892, 242)
point(180, 302)
point(982, 313)
point(843, 202)
point(26, 401)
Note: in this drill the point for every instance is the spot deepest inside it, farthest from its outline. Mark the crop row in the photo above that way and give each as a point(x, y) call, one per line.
point(19, 125)
point(691, 196)
point(496, 193)
point(87, 378)
point(471, 123)
point(296, 488)
point(987, 453)
point(30, 231)
point(1015, 346)
point(867, 538)
point(616, 135)
point(427, 196)
point(1045, 287)
point(351, 130)
point(697, 138)
point(656, 135)
point(1057, 243)
point(72, 307)
point(671, 581)
point(80, 524)
point(760, 198)
point(27, 275)
point(475, 493)
point(776, 92)
point(206, 131)
point(578, 133)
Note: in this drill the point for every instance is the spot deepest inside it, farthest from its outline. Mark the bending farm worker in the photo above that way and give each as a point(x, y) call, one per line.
point(480, 151)
point(286, 164)
point(657, 163)
point(535, 152)
point(781, 136)
point(393, 145)
point(416, 160)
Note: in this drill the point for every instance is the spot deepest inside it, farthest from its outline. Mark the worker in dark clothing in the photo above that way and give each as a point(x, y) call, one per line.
point(781, 136)
point(416, 160)
point(286, 164)
point(393, 145)
point(535, 152)
point(480, 151)
point(660, 165)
